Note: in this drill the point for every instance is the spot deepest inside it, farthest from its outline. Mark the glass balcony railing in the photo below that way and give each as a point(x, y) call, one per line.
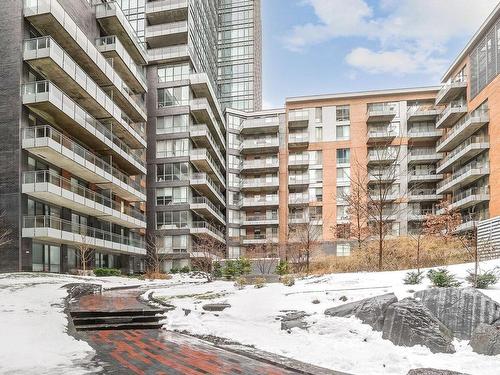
point(459, 81)
point(209, 227)
point(204, 200)
point(461, 125)
point(196, 177)
point(477, 139)
point(483, 190)
point(480, 167)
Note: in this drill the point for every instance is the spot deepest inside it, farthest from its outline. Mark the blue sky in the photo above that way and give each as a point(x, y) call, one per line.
point(327, 46)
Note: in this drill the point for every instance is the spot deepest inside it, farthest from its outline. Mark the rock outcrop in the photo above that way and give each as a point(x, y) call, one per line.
point(370, 310)
point(486, 339)
point(409, 323)
point(460, 309)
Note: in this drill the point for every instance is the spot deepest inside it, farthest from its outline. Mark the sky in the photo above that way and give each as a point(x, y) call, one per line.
point(330, 46)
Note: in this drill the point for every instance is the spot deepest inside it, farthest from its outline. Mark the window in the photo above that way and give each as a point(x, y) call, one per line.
point(316, 194)
point(318, 134)
point(343, 249)
point(174, 244)
point(342, 113)
point(343, 174)
point(234, 180)
point(318, 114)
point(171, 195)
point(172, 219)
point(342, 132)
point(172, 148)
point(316, 213)
point(343, 156)
point(316, 157)
point(173, 72)
point(173, 96)
point(343, 192)
point(342, 213)
point(316, 175)
point(172, 124)
point(172, 172)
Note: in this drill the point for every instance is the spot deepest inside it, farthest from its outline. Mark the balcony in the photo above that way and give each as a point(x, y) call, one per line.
point(423, 194)
point(467, 150)
point(202, 137)
point(114, 22)
point(382, 135)
point(427, 134)
point(260, 145)
point(203, 114)
point(424, 155)
point(260, 165)
point(169, 55)
point(56, 230)
point(202, 228)
point(203, 90)
point(51, 103)
point(265, 201)
point(165, 11)
point(299, 199)
point(205, 208)
point(423, 175)
point(259, 184)
point(462, 130)
point(382, 156)
point(452, 90)
point(384, 194)
point(298, 118)
point(256, 220)
point(381, 112)
point(263, 125)
point(383, 177)
point(45, 55)
point(421, 214)
point(451, 114)
point(202, 159)
point(259, 239)
point(464, 176)
point(298, 161)
point(202, 183)
point(50, 145)
point(422, 113)
point(298, 182)
point(60, 191)
point(131, 73)
point(298, 140)
point(167, 34)
point(469, 198)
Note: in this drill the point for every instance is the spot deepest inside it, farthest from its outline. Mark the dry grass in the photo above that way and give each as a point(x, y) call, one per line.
point(399, 254)
point(157, 276)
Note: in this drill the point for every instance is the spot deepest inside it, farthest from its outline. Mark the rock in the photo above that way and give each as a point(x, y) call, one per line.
point(486, 339)
point(294, 319)
point(460, 309)
point(186, 312)
point(409, 323)
point(431, 371)
point(215, 306)
point(370, 310)
point(343, 298)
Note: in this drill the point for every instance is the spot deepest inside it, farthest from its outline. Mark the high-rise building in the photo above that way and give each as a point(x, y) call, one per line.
point(117, 109)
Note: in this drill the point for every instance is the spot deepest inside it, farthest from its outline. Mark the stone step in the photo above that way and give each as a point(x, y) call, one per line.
point(89, 314)
point(115, 319)
point(118, 326)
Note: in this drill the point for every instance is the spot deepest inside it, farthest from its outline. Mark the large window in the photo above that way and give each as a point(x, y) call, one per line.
point(172, 172)
point(342, 132)
point(172, 219)
point(343, 156)
point(173, 72)
point(173, 96)
point(172, 124)
point(172, 148)
point(171, 195)
point(342, 113)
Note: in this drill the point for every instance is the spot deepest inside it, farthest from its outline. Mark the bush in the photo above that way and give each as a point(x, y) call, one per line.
point(174, 270)
point(104, 272)
point(442, 278)
point(157, 276)
point(185, 269)
point(240, 282)
point(235, 268)
point(413, 277)
point(484, 280)
point(243, 266)
point(217, 269)
point(287, 280)
point(259, 282)
point(282, 268)
point(229, 271)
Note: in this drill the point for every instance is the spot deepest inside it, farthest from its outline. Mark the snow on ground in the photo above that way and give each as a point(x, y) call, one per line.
point(343, 344)
point(33, 324)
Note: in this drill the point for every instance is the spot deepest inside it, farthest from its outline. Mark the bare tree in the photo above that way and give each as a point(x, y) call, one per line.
point(304, 239)
point(444, 222)
point(206, 250)
point(262, 256)
point(418, 236)
point(5, 230)
point(85, 253)
point(154, 256)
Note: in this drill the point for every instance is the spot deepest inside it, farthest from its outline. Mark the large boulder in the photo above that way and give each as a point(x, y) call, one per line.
point(460, 309)
point(370, 310)
point(486, 339)
point(215, 306)
point(432, 371)
point(293, 319)
point(409, 323)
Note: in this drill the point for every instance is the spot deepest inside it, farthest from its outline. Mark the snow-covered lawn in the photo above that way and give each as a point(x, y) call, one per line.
point(33, 324)
point(343, 344)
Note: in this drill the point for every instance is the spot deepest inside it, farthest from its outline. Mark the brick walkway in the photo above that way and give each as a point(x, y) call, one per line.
point(163, 352)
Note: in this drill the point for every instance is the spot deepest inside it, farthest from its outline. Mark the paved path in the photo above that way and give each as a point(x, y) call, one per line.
point(158, 351)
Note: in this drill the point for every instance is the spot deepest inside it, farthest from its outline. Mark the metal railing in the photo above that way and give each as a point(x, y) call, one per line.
point(376, 108)
point(483, 190)
point(456, 104)
point(204, 200)
point(379, 133)
point(260, 163)
point(298, 180)
point(205, 225)
point(203, 153)
point(204, 128)
point(298, 137)
point(463, 146)
point(260, 201)
point(158, 5)
point(483, 168)
point(167, 28)
point(37, 177)
point(87, 232)
point(298, 115)
point(45, 131)
point(456, 82)
point(263, 142)
point(461, 125)
point(259, 182)
point(209, 181)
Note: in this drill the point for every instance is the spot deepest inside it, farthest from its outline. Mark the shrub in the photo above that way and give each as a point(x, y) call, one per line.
point(259, 282)
point(157, 276)
point(282, 268)
point(104, 272)
point(229, 271)
point(484, 280)
point(240, 282)
point(442, 278)
point(235, 268)
point(287, 280)
point(243, 266)
point(413, 277)
point(174, 270)
point(185, 269)
point(217, 269)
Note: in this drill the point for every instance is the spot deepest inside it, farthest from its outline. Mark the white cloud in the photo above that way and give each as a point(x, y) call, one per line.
point(408, 36)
